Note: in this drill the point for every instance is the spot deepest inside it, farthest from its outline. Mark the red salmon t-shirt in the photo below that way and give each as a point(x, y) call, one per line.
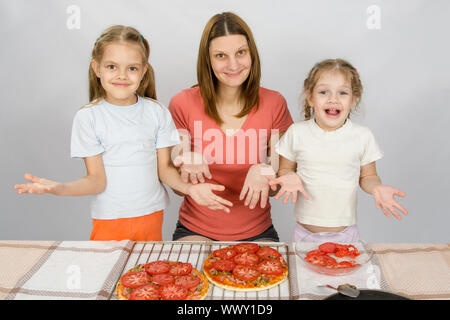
point(229, 157)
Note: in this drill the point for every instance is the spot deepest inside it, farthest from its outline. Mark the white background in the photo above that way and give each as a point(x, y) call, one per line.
point(404, 66)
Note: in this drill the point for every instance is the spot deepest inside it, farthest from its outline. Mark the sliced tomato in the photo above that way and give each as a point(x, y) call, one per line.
point(157, 267)
point(180, 269)
point(341, 250)
point(246, 259)
point(225, 253)
point(352, 251)
point(224, 265)
point(147, 292)
point(321, 260)
point(173, 292)
point(246, 273)
point(270, 267)
point(163, 278)
point(268, 253)
point(246, 247)
point(344, 264)
point(188, 281)
point(327, 247)
point(135, 279)
point(314, 253)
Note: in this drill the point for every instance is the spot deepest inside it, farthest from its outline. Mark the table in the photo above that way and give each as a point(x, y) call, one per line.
point(90, 269)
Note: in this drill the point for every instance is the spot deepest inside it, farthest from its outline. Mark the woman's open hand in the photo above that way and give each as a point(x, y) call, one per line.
point(256, 185)
point(193, 167)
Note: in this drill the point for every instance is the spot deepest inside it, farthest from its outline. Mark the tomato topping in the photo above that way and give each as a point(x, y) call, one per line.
point(270, 267)
point(246, 247)
point(173, 292)
point(224, 265)
point(157, 267)
point(246, 273)
point(268, 253)
point(187, 281)
point(246, 259)
point(135, 279)
point(180, 269)
point(163, 278)
point(225, 253)
point(327, 247)
point(147, 292)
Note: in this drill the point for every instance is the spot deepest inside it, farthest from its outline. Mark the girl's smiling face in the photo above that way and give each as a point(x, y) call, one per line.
point(332, 100)
point(120, 70)
point(230, 59)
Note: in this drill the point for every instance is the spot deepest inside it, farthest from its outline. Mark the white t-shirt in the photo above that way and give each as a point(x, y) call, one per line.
point(127, 137)
point(329, 163)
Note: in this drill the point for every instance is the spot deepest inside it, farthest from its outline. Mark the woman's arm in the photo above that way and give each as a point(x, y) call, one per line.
point(93, 183)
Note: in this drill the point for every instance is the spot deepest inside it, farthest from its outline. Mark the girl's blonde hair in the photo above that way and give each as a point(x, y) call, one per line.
point(224, 24)
point(119, 33)
point(326, 65)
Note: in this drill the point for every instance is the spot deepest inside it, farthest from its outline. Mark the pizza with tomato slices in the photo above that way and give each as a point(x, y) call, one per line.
point(246, 267)
point(162, 280)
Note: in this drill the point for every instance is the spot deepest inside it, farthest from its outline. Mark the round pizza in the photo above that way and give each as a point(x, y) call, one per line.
point(162, 280)
point(246, 267)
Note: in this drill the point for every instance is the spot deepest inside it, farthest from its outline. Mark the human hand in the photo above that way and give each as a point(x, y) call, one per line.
point(384, 199)
point(203, 194)
point(38, 186)
point(256, 185)
point(193, 167)
point(290, 184)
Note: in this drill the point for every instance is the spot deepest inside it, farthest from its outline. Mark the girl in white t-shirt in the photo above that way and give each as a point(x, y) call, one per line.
point(125, 137)
point(327, 156)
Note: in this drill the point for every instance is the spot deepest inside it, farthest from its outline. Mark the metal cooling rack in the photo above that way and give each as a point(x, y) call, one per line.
point(196, 253)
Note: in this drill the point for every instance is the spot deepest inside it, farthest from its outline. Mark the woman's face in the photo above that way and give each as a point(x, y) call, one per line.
point(230, 59)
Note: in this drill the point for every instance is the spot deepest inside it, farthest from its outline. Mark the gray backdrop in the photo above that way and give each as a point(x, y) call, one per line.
point(400, 48)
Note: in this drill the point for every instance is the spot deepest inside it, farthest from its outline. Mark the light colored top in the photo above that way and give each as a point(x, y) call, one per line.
point(127, 137)
point(229, 157)
point(329, 164)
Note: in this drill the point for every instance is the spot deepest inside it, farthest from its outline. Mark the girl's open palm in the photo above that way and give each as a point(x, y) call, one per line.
point(37, 185)
point(203, 194)
point(384, 199)
point(290, 184)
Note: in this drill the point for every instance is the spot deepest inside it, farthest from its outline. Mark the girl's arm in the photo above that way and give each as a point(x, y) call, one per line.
point(201, 193)
point(382, 194)
point(93, 183)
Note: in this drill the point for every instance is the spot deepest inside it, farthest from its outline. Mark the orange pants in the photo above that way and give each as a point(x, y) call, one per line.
point(145, 228)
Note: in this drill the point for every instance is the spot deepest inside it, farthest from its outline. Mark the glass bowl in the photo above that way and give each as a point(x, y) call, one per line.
point(365, 254)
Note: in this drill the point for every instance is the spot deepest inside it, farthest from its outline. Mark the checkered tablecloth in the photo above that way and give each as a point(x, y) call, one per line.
point(90, 269)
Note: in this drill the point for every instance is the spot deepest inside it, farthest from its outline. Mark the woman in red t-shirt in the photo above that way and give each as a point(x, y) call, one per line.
point(227, 124)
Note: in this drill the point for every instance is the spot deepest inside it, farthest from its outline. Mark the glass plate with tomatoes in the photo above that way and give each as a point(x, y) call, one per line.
point(332, 258)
